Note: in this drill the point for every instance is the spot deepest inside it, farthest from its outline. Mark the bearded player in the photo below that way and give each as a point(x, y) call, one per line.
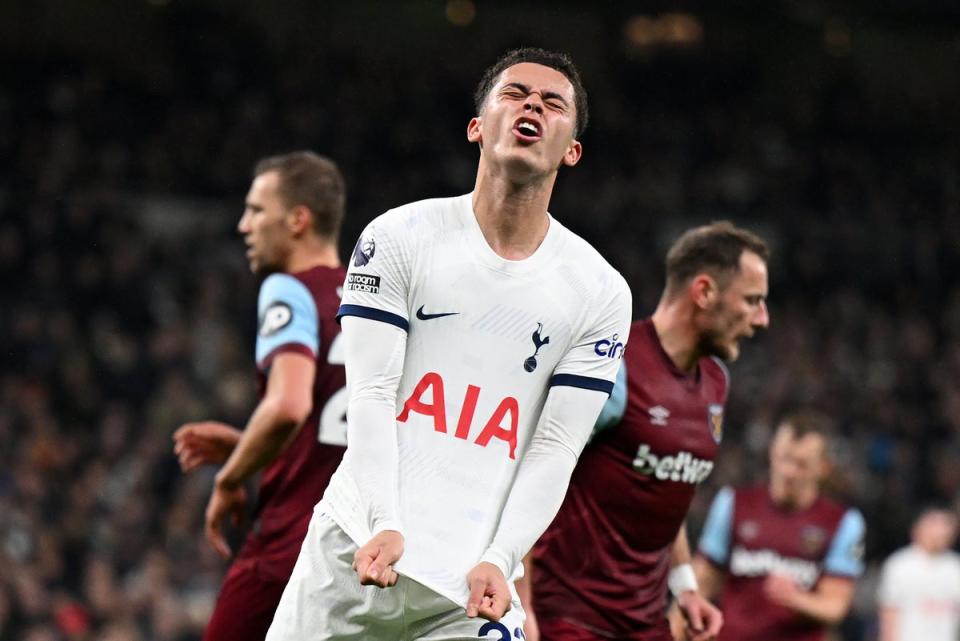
point(602, 569)
point(297, 433)
point(783, 558)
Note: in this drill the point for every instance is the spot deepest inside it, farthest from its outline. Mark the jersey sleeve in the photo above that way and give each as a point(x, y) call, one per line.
point(287, 319)
point(845, 557)
point(891, 591)
point(715, 539)
point(378, 277)
point(616, 405)
point(593, 360)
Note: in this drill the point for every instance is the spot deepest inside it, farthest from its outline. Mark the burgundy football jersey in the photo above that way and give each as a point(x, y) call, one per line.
point(748, 536)
point(297, 314)
point(603, 563)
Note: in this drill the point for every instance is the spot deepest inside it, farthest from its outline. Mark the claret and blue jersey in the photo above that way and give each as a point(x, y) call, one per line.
point(296, 313)
point(603, 563)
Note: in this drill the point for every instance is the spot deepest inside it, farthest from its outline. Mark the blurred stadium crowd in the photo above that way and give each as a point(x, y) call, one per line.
point(114, 330)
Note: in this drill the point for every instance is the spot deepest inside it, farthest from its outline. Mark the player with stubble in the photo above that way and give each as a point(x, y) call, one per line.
point(482, 339)
point(783, 559)
point(603, 568)
point(297, 433)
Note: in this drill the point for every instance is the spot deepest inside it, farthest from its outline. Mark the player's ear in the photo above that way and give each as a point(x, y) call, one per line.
point(473, 130)
point(299, 220)
point(573, 154)
point(704, 290)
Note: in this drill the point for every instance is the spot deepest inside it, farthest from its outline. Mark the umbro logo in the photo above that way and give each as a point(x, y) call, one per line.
point(659, 415)
point(423, 316)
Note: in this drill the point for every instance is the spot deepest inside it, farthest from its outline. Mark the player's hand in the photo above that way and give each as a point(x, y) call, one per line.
point(206, 442)
point(224, 501)
point(374, 562)
point(703, 619)
point(531, 629)
point(489, 594)
point(781, 589)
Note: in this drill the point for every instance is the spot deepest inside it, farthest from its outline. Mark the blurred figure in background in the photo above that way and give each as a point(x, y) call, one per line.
point(919, 593)
point(297, 433)
point(783, 558)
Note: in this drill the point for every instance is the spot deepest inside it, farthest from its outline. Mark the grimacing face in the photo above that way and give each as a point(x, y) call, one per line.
point(797, 465)
point(527, 122)
point(739, 311)
point(263, 225)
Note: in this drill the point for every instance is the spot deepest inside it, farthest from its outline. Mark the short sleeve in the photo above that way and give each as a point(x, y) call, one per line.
point(715, 539)
point(593, 360)
point(287, 319)
point(378, 276)
point(616, 405)
point(845, 557)
point(890, 591)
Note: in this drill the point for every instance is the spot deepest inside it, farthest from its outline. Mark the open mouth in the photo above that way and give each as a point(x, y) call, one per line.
point(527, 129)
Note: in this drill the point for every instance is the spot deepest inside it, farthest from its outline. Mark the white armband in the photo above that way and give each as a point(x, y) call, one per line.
point(682, 579)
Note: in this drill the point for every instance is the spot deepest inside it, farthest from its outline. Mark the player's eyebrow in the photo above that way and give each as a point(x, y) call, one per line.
point(546, 95)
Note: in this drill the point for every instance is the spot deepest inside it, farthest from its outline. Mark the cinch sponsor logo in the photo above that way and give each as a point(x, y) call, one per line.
point(611, 348)
point(683, 467)
point(363, 283)
point(744, 562)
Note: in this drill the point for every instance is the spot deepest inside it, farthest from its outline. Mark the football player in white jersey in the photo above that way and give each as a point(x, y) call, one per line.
point(482, 339)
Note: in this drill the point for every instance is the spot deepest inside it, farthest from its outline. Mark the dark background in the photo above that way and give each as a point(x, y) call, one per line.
point(127, 134)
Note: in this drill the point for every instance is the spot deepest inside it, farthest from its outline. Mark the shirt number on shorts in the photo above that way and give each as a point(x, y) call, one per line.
point(492, 626)
point(333, 418)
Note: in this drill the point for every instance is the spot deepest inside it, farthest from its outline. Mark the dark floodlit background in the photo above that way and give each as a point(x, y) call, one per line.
point(127, 134)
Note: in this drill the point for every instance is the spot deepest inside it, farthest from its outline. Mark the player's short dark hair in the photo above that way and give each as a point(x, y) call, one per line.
point(804, 422)
point(555, 60)
point(714, 249)
point(313, 181)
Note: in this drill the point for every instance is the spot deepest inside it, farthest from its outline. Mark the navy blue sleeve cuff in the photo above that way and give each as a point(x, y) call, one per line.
point(583, 382)
point(373, 314)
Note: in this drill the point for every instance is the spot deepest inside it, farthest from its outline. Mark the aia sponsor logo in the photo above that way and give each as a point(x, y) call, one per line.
point(501, 425)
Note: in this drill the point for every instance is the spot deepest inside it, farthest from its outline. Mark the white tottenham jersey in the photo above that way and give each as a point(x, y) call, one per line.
point(487, 337)
point(925, 591)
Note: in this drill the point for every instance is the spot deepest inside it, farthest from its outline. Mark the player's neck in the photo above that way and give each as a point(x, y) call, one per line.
point(801, 501)
point(312, 253)
point(677, 335)
point(513, 217)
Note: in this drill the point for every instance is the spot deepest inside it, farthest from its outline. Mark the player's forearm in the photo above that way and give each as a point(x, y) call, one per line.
point(828, 609)
point(524, 584)
point(269, 430)
point(374, 362)
point(888, 624)
point(541, 483)
point(708, 577)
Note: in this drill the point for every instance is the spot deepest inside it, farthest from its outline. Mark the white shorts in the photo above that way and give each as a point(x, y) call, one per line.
point(325, 601)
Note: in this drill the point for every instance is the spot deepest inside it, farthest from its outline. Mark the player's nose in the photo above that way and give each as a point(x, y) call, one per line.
point(243, 225)
point(762, 318)
point(533, 103)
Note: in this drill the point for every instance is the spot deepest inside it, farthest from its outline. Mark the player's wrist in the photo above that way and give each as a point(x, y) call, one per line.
point(224, 482)
point(682, 579)
point(497, 560)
